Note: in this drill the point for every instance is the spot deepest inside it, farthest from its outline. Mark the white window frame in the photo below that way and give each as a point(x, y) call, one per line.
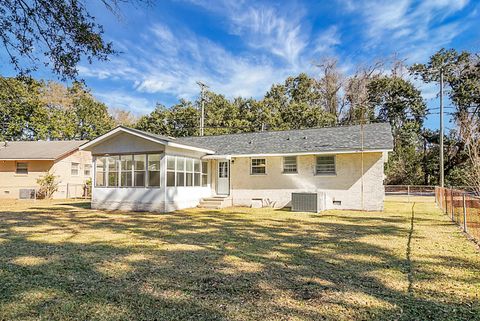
point(184, 171)
point(72, 169)
point(296, 165)
point(252, 166)
point(325, 173)
point(22, 168)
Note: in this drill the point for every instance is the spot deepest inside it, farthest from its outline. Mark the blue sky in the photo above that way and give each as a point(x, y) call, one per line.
point(243, 47)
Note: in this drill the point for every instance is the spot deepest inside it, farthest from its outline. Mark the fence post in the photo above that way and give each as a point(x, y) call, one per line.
point(464, 214)
point(453, 208)
point(408, 190)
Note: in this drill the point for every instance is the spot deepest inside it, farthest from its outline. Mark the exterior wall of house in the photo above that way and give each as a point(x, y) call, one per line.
point(275, 188)
point(11, 182)
point(155, 199)
point(72, 185)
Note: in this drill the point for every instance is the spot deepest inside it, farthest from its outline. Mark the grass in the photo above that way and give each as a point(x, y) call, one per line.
point(64, 261)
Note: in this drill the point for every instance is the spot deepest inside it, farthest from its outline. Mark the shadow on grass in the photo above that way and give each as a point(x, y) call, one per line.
point(70, 262)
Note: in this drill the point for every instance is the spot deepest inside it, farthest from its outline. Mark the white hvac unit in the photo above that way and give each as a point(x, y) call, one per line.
point(308, 202)
point(26, 194)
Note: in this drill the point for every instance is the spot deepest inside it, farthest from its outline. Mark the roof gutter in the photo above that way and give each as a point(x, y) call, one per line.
point(297, 153)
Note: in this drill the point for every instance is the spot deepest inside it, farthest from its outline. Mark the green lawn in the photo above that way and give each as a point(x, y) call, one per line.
point(64, 261)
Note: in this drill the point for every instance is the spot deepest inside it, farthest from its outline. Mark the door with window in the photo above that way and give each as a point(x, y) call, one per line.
point(223, 177)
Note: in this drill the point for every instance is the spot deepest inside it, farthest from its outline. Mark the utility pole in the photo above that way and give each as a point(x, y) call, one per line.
point(202, 112)
point(442, 182)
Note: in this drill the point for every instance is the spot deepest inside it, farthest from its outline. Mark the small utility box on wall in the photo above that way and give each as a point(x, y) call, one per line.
point(308, 202)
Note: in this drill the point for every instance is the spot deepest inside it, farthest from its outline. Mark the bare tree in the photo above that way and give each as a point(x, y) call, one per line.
point(469, 125)
point(330, 85)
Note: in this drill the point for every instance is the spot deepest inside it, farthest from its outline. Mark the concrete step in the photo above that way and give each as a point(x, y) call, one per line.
point(214, 202)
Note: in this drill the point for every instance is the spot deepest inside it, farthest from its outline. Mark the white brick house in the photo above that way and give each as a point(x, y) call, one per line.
point(136, 170)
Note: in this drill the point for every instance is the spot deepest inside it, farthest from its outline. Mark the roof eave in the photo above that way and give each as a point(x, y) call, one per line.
point(228, 156)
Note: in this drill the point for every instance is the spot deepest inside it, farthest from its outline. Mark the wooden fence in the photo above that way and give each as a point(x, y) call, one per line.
point(462, 207)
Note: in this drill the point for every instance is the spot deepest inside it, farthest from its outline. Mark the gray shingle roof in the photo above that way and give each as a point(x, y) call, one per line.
point(38, 149)
point(377, 136)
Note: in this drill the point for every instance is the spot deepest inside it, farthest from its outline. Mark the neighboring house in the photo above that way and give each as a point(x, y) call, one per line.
point(136, 170)
point(23, 162)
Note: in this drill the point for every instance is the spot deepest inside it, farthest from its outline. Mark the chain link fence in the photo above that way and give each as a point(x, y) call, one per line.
point(64, 191)
point(463, 208)
point(410, 190)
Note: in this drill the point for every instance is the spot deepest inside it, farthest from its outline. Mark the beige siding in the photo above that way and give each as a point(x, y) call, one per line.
point(276, 188)
point(11, 183)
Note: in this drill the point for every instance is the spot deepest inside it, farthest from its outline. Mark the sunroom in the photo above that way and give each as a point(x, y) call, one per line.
point(137, 171)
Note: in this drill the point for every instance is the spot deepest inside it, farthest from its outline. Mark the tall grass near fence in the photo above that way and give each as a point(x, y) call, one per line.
point(462, 207)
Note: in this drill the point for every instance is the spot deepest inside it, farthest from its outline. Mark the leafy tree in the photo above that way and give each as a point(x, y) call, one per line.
point(57, 33)
point(158, 121)
point(91, 117)
point(19, 103)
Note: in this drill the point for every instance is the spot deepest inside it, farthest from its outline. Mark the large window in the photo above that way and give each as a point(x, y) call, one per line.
point(153, 170)
point(290, 164)
point(74, 169)
point(22, 168)
point(258, 166)
point(128, 170)
point(325, 165)
point(184, 171)
point(143, 170)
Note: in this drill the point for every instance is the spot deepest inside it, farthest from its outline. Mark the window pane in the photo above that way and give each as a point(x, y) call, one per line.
point(189, 179)
point(196, 179)
point(154, 178)
point(180, 164)
point(87, 170)
point(189, 165)
point(126, 162)
point(113, 179)
point(139, 180)
point(154, 162)
point(22, 168)
point(204, 180)
point(180, 179)
point(113, 163)
point(171, 162)
point(204, 167)
point(223, 169)
point(139, 162)
point(74, 169)
point(100, 179)
point(196, 165)
point(258, 170)
point(170, 178)
point(100, 164)
point(126, 178)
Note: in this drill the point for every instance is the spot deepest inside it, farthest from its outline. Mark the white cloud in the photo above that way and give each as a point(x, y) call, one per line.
point(327, 40)
point(416, 29)
point(122, 100)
